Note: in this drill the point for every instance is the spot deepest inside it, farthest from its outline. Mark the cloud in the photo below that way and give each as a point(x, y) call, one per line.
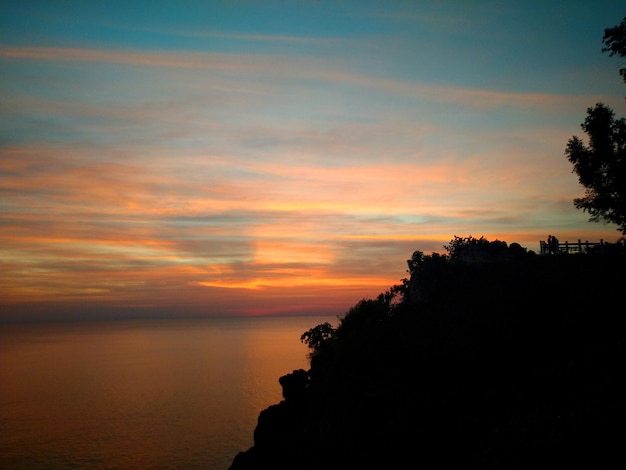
point(293, 68)
point(260, 182)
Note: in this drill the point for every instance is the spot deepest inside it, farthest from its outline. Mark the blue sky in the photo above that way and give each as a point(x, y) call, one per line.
point(246, 158)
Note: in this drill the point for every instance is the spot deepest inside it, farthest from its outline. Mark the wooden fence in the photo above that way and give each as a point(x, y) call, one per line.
point(575, 247)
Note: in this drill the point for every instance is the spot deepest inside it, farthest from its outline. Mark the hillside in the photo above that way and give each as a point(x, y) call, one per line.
point(488, 356)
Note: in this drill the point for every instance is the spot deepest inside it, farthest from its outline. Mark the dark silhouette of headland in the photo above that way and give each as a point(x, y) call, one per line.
point(487, 356)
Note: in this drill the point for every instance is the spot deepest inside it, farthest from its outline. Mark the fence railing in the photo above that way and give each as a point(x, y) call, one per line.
point(574, 247)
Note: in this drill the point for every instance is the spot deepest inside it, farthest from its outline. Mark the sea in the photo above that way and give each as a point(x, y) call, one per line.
point(141, 394)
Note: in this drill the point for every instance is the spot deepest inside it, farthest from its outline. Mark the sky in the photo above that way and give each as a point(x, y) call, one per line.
point(210, 158)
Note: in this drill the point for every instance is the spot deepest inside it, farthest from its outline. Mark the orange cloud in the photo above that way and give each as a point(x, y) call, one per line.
point(243, 187)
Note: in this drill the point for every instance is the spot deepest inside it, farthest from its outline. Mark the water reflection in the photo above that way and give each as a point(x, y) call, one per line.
point(167, 394)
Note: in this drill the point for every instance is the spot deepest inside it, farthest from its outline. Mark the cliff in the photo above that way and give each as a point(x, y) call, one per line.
point(508, 362)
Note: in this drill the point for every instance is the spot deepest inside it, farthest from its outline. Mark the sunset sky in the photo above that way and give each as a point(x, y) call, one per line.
point(176, 158)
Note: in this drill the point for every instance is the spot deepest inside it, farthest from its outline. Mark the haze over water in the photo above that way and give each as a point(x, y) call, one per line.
point(167, 394)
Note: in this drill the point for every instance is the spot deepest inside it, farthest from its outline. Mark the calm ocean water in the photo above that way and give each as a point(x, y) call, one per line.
point(151, 394)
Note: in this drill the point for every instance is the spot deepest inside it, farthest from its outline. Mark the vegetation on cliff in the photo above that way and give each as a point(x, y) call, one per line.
point(488, 355)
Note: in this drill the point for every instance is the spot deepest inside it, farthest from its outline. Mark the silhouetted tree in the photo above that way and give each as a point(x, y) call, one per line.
point(614, 41)
point(475, 249)
point(421, 262)
point(601, 165)
point(314, 337)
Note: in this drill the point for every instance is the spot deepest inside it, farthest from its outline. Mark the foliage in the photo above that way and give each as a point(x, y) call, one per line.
point(419, 261)
point(601, 166)
point(314, 337)
point(460, 247)
point(614, 41)
point(365, 311)
point(368, 311)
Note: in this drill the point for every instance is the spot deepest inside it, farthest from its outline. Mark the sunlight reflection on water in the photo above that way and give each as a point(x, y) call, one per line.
point(167, 394)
